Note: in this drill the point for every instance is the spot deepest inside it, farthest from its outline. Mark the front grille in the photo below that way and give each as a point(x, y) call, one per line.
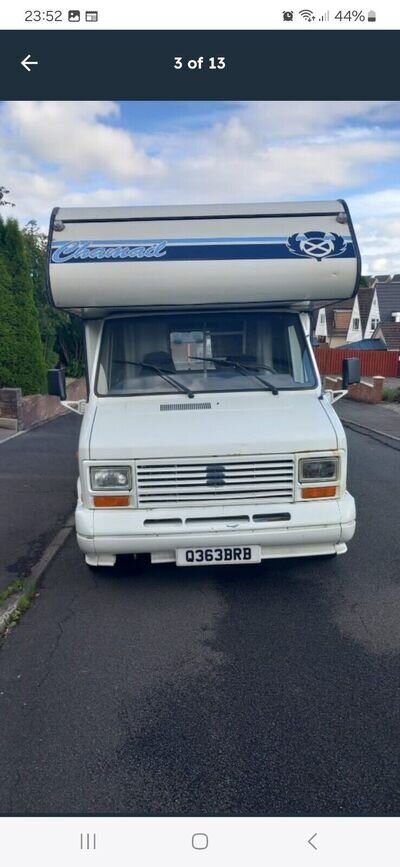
point(191, 482)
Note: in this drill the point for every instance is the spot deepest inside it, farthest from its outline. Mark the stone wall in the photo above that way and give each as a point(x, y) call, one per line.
point(10, 407)
point(20, 413)
point(365, 392)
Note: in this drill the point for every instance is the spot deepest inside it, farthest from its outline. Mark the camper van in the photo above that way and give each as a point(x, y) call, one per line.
point(206, 436)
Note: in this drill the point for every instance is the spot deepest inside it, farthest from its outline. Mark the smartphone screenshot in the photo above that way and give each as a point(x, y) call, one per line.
point(199, 434)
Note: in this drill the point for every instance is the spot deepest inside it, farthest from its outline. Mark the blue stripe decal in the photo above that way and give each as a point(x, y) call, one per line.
point(316, 246)
point(264, 239)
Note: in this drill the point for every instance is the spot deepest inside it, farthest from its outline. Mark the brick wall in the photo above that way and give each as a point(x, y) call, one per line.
point(20, 413)
point(364, 392)
point(10, 407)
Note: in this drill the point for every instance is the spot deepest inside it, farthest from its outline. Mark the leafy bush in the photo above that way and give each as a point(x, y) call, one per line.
point(75, 368)
point(391, 395)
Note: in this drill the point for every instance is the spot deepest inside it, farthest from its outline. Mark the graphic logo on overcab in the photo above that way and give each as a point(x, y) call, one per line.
point(317, 245)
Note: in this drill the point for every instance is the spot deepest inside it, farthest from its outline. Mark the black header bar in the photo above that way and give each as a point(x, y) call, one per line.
point(258, 65)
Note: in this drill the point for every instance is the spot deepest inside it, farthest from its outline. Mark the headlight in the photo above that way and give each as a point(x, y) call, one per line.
point(318, 469)
point(112, 478)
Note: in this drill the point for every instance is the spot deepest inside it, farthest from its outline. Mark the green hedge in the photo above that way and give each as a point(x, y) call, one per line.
point(21, 352)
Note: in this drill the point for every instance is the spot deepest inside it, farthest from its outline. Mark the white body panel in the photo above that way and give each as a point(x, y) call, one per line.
point(236, 424)
point(313, 529)
point(238, 427)
point(303, 254)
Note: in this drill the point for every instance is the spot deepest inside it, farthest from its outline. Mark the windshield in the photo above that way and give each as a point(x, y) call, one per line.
point(193, 350)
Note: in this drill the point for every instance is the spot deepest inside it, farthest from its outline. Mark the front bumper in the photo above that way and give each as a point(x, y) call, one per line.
point(282, 530)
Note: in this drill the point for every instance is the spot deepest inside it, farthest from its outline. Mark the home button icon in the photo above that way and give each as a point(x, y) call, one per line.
point(200, 841)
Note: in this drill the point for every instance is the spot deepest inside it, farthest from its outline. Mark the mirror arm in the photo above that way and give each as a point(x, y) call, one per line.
point(77, 406)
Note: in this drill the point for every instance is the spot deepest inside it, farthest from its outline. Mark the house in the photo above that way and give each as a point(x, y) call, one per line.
point(365, 297)
point(378, 278)
point(387, 297)
point(384, 319)
point(377, 304)
point(390, 333)
point(333, 323)
point(345, 322)
point(383, 278)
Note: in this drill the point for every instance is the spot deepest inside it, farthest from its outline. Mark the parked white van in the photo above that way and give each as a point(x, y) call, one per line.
point(206, 437)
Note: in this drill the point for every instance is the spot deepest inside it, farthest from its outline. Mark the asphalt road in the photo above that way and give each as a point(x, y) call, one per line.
point(271, 689)
point(38, 473)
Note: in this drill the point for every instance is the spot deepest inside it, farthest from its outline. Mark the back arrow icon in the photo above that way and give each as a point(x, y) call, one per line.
point(27, 62)
point(310, 841)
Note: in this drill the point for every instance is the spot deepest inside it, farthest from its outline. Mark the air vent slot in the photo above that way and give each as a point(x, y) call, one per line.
point(277, 516)
point(172, 407)
point(225, 520)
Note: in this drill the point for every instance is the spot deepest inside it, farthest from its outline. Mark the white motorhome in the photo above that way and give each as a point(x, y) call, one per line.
point(206, 436)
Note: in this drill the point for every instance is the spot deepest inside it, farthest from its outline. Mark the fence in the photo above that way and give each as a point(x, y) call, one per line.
point(372, 362)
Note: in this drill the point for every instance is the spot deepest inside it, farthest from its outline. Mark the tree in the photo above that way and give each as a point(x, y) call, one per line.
point(49, 319)
point(3, 200)
point(61, 334)
point(26, 360)
point(69, 344)
point(7, 317)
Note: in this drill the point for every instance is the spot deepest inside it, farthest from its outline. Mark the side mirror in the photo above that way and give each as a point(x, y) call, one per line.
point(56, 383)
point(350, 371)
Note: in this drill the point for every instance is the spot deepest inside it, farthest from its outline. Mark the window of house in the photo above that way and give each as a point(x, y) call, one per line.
point(342, 319)
point(356, 322)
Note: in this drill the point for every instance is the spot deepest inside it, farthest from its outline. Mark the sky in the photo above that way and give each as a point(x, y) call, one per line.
point(136, 153)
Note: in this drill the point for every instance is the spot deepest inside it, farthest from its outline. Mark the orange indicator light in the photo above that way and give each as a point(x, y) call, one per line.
point(315, 493)
point(110, 502)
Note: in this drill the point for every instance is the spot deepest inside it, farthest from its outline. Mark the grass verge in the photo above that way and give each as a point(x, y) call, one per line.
point(14, 587)
point(22, 605)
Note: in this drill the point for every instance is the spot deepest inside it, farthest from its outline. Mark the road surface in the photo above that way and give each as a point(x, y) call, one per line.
point(271, 689)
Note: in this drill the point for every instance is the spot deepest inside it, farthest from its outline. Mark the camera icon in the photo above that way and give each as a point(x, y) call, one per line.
point(288, 16)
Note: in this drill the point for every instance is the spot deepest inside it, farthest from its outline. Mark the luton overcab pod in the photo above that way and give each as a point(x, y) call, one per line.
point(303, 254)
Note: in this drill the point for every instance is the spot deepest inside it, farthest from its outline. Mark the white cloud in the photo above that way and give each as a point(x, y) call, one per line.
point(73, 137)
point(81, 153)
point(377, 225)
point(286, 119)
point(102, 197)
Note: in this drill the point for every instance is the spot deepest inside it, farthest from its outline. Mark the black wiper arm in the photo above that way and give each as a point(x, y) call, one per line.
point(247, 370)
point(251, 368)
point(161, 372)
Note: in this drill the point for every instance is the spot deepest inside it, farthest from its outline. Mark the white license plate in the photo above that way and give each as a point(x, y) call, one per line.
point(223, 556)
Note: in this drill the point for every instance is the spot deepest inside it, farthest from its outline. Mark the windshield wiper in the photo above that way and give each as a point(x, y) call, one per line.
point(161, 372)
point(247, 370)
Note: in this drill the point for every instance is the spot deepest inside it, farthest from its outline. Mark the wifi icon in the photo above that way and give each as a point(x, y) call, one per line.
point(307, 15)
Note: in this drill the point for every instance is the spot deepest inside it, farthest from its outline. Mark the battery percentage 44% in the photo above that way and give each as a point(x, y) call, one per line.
point(350, 15)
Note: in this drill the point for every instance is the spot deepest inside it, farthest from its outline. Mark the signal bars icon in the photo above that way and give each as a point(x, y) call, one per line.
point(324, 17)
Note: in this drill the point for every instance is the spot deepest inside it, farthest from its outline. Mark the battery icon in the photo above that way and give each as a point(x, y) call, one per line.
point(372, 16)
